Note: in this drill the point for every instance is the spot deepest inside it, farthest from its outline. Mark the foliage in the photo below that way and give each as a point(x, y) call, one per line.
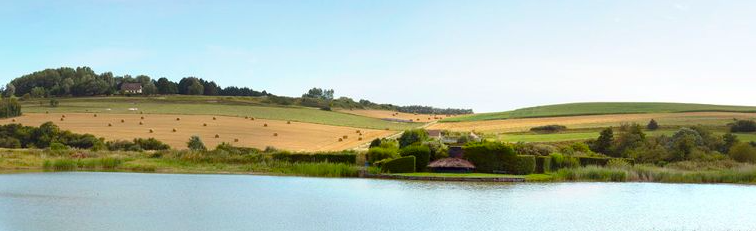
point(346, 157)
point(380, 153)
point(652, 125)
point(195, 143)
point(543, 164)
point(588, 160)
point(421, 153)
point(400, 165)
point(431, 110)
point(604, 142)
point(743, 126)
point(618, 163)
point(319, 94)
point(743, 152)
point(17, 136)
point(490, 156)
point(549, 128)
point(525, 164)
point(54, 103)
point(522, 148)
point(375, 143)
point(9, 107)
point(438, 149)
point(151, 144)
point(412, 136)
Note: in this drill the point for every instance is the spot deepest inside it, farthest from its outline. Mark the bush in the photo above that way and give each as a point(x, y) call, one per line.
point(412, 136)
point(54, 103)
point(598, 161)
point(548, 128)
point(534, 149)
point(346, 158)
point(123, 145)
point(151, 144)
point(543, 164)
point(652, 125)
point(743, 126)
point(379, 153)
point(490, 156)
point(58, 147)
point(525, 165)
point(195, 143)
point(421, 154)
point(400, 165)
point(618, 163)
point(743, 152)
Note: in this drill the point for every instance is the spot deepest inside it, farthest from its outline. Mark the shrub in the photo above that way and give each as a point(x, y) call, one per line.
point(598, 161)
point(195, 143)
point(412, 136)
point(346, 158)
point(151, 144)
point(58, 147)
point(743, 152)
point(9, 107)
point(375, 143)
point(490, 156)
point(9, 142)
point(122, 145)
point(543, 164)
point(743, 126)
point(400, 165)
point(652, 125)
point(525, 164)
point(618, 163)
point(421, 153)
point(548, 128)
point(379, 153)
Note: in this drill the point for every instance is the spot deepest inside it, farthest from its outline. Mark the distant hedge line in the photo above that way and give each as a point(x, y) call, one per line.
point(346, 158)
point(400, 165)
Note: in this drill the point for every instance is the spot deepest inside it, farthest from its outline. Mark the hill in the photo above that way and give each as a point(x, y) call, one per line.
point(600, 108)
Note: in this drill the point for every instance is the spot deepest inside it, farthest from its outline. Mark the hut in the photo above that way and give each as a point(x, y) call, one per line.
point(451, 165)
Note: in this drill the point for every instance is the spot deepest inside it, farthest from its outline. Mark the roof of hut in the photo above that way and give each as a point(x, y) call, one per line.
point(451, 163)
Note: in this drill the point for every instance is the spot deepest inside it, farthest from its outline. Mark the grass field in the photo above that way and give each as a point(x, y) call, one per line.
point(383, 114)
point(296, 136)
point(596, 121)
point(573, 109)
point(198, 105)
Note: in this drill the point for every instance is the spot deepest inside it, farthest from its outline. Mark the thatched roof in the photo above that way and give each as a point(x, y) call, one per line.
point(451, 163)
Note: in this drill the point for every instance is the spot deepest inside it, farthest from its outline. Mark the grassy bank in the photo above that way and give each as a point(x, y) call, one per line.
point(741, 174)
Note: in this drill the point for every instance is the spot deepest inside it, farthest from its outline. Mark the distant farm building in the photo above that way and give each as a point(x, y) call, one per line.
point(451, 165)
point(131, 88)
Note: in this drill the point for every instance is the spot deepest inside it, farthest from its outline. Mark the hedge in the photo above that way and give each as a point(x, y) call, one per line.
point(421, 154)
point(347, 158)
point(400, 165)
point(525, 164)
point(375, 154)
point(543, 164)
point(489, 157)
point(598, 161)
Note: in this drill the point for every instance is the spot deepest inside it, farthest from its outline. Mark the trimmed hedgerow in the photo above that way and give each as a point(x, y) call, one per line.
point(421, 154)
point(598, 161)
point(376, 154)
point(400, 165)
point(543, 164)
point(489, 157)
point(347, 158)
point(525, 165)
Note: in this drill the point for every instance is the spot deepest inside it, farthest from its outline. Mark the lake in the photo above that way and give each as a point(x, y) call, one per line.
point(131, 201)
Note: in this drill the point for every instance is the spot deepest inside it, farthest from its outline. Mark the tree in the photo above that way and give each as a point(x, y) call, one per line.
point(54, 103)
point(195, 89)
point(604, 142)
point(729, 141)
point(683, 143)
point(195, 144)
point(166, 87)
point(10, 90)
point(210, 88)
point(652, 125)
point(375, 143)
point(743, 126)
point(412, 136)
point(319, 94)
point(38, 92)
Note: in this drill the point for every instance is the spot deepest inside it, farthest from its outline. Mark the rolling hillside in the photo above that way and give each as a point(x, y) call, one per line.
point(600, 108)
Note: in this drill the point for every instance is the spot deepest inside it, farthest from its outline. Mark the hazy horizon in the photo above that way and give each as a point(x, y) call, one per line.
point(485, 55)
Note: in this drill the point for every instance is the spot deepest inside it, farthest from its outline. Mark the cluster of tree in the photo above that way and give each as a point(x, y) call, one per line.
point(415, 108)
point(9, 107)
point(694, 143)
point(413, 142)
point(743, 126)
point(549, 128)
point(137, 145)
point(83, 81)
point(18, 136)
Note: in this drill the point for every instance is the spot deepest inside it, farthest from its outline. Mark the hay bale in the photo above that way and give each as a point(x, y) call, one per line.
point(345, 137)
point(141, 117)
point(275, 134)
point(140, 123)
point(178, 119)
point(252, 118)
point(217, 136)
point(95, 115)
point(110, 125)
point(358, 131)
point(152, 131)
point(123, 121)
point(214, 118)
point(14, 120)
point(359, 138)
point(265, 125)
point(246, 117)
point(63, 116)
point(340, 140)
point(236, 140)
point(288, 122)
point(141, 112)
point(174, 130)
point(205, 125)
point(387, 129)
point(47, 112)
point(61, 119)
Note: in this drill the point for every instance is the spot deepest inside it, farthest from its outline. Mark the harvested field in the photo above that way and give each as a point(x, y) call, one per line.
point(296, 136)
point(384, 114)
point(595, 121)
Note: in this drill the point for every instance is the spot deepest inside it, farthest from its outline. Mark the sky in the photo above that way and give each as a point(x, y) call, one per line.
point(485, 55)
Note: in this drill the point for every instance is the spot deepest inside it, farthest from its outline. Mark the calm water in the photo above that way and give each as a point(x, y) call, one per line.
point(127, 201)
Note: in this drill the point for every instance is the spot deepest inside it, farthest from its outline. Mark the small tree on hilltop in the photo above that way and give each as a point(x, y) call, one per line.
point(604, 142)
point(412, 136)
point(652, 125)
point(195, 144)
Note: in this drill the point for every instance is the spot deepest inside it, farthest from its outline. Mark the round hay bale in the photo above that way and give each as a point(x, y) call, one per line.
point(275, 134)
point(252, 118)
point(236, 140)
point(95, 115)
point(358, 131)
point(178, 119)
point(359, 138)
point(110, 125)
point(152, 131)
point(63, 116)
point(205, 125)
point(141, 117)
point(345, 137)
point(141, 112)
point(123, 121)
point(246, 117)
point(140, 123)
point(340, 140)
point(265, 125)
point(288, 122)
point(61, 119)
point(174, 130)
point(387, 129)
point(14, 120)
point(217, 136)
point(214, 118)
point(47, 112)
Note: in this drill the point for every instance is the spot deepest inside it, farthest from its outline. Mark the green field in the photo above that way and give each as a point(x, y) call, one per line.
point(574, 109)
point(569, 136)
point(198, 105)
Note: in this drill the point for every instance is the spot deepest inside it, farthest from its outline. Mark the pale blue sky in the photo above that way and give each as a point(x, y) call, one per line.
point(485, 55)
